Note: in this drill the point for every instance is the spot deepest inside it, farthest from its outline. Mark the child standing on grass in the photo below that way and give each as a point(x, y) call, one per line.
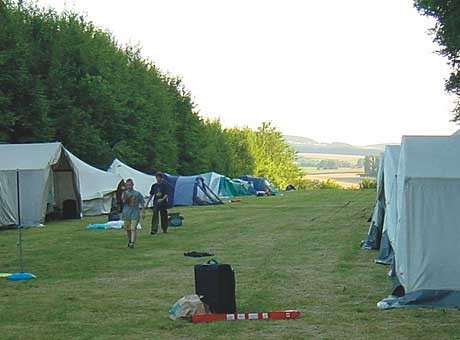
point(133, 201)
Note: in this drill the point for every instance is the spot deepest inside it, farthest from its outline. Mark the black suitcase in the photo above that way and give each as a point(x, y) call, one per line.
point(216, 284)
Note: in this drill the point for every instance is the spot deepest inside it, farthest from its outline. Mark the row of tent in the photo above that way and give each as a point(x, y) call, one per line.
point(416, 221)
point(42, 179)
point(203, 189)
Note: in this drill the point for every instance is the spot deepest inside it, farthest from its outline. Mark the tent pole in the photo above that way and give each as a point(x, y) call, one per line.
point(207, 188)
point(19, 276)
point(21, 261)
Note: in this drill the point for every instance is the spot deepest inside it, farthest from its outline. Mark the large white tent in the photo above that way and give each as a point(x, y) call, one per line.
point(376, 224)
point(390, 170)
point(97, 187)
point(426, 237)
point(47, 181)
point(142, 181)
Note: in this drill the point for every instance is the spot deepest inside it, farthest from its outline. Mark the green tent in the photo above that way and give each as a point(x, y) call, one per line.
point(230, 187)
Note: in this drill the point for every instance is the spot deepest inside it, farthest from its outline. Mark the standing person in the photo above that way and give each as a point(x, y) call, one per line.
point(159, 193)
point(121, 188)
point(133, 201)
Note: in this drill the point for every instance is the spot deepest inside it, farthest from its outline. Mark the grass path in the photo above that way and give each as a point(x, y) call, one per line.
point(300, 250)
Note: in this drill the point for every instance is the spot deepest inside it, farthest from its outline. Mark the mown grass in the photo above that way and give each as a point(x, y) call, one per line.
point(297, 251)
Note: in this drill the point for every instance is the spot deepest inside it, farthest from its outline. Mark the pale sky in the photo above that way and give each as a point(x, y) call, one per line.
point(356, 71)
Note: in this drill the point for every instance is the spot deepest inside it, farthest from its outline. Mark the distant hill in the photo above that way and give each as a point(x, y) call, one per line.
point(308, 145)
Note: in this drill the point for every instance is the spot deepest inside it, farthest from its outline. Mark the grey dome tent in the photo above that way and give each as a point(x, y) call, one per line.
point(48, 183)
point(427, 235)
point(97, 187)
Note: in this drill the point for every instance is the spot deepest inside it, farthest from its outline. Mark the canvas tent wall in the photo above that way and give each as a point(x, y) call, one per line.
point(259, 183)
point(47, 182)
point(190, 190)
point(427, 235)
point(374, 233)
point(97, 187)
point(142, 181)
point(390, 170)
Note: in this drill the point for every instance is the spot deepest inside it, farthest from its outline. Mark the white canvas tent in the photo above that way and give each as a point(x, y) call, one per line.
point(46, 179)
point(375, 228)
point(142, 181)
point(391, 163)
point(97, 187)
point(427, 235)
point(390, 170)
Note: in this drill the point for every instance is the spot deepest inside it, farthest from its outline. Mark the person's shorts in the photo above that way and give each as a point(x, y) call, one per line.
point(130, 224)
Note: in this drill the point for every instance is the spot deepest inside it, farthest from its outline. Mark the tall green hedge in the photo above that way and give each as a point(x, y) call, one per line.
point(64, 79)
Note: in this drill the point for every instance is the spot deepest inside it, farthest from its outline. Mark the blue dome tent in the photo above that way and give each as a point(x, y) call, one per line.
point(190, 190)
point(259, 183)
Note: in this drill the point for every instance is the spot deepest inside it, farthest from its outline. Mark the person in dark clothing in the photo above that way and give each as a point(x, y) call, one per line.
point(159, 194)
point(119, 195)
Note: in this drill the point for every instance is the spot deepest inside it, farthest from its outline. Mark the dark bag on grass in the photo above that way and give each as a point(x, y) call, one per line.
point(175, 220)
point(216, 284)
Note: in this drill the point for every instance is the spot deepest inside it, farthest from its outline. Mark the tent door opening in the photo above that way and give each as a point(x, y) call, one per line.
point(63, 202)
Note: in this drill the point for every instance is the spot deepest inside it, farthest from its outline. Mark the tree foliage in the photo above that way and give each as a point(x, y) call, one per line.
point(64, 79)
point(368, 183)
point(446, 33)
point(371, 165)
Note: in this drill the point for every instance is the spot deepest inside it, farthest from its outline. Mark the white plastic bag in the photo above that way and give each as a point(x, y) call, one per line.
point(187, 306)
point(114, 224)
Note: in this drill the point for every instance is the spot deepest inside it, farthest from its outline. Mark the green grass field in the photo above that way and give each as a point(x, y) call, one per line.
point(297, 251)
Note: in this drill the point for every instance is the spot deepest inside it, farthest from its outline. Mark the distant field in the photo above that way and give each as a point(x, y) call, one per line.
point(315, 171)
point(348, 178)
point(329, 156)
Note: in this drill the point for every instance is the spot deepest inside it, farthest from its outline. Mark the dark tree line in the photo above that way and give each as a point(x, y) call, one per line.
point(64, 79)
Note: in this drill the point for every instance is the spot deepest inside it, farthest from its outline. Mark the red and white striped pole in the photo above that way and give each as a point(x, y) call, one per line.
point(281, 315)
